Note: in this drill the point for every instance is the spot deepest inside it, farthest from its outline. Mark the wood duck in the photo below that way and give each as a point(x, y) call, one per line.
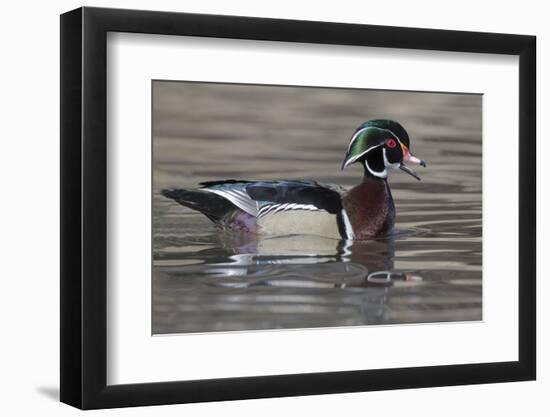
point(308, 207)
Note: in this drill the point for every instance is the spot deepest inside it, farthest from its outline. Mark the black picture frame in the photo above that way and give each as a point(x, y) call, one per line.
point(84, 207)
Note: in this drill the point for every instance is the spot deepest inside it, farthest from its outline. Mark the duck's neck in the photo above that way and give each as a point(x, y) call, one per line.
point(369, 206)
point(368, 174)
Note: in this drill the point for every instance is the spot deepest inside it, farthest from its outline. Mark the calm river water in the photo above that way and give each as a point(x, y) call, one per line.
point(207, 280)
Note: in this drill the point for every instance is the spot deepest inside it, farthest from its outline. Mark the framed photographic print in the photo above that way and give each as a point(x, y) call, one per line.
point(258, 207)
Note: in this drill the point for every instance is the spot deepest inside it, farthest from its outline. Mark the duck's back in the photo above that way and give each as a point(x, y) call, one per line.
point(269, 207)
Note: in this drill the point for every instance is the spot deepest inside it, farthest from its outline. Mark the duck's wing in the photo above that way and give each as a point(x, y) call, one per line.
point(282, 196)
point(233, 191)
point(260, 198)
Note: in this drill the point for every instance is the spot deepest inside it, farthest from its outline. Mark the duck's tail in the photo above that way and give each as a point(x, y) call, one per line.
point(213, 206)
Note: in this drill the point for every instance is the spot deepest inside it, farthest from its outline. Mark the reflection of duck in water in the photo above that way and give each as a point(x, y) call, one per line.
point(250, 249)
point(308, 207)
point(296, 261)
point(309, 262)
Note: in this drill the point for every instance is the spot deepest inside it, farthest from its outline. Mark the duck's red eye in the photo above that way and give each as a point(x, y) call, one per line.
point(391, 143)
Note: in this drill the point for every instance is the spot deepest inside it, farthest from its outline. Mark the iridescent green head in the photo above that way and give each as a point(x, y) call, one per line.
point(381, 145)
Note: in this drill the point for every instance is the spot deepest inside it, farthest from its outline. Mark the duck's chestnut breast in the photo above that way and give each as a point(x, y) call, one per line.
point(370, 208)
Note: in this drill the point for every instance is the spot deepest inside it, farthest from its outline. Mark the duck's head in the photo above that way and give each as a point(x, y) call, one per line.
point(380, 146)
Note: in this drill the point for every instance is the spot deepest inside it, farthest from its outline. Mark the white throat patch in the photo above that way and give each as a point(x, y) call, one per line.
point(387, 163)
point(379, 174)
point(388, 166)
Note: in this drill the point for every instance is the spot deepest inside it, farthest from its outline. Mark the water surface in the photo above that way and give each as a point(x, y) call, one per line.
point(205, 279)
